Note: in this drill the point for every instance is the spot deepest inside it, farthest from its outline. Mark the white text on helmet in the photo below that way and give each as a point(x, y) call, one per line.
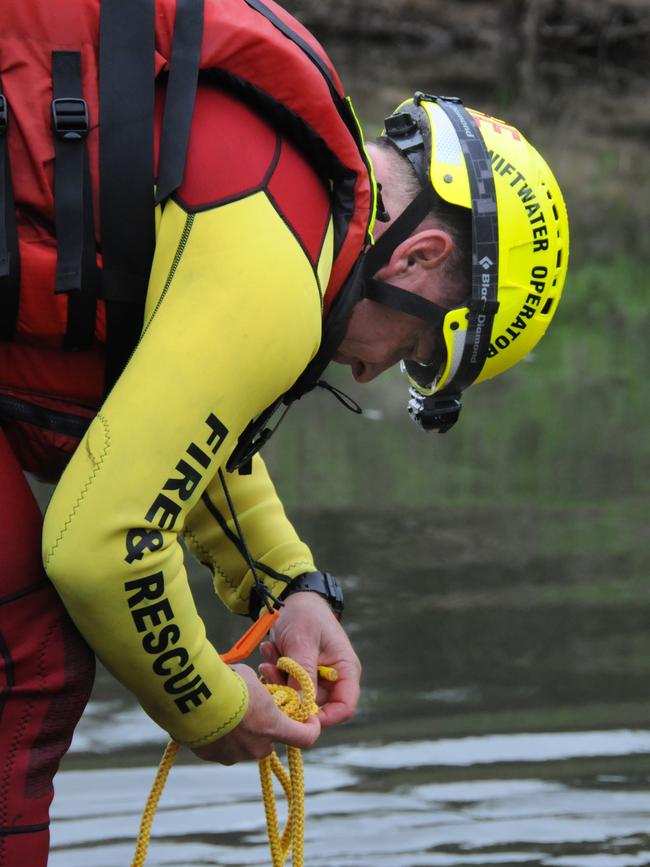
point(477, 336)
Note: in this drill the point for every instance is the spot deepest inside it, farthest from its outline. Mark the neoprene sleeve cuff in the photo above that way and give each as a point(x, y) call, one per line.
point(237, 704)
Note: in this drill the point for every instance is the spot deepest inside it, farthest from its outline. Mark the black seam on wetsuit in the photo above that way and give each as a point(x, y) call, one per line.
point(313, 265)
point(10, 680)
point(24, 829)
point(274, 162)
point(33, 588)
point(236, 197)
point(328, 223)
point(218, 203)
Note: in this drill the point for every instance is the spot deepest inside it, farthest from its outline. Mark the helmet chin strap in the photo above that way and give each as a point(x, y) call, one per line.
point(406, 302)
point(379, 255)
point(399, 230)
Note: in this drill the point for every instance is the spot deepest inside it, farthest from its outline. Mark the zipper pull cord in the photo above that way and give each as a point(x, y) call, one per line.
point(343, 398)
point(270, 601)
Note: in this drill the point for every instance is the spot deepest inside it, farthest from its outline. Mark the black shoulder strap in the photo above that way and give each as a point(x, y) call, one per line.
point(9, 257)
point(75, 234)
point(126, 100)
point(180, 96)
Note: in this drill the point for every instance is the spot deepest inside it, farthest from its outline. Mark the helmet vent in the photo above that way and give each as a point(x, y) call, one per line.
point(555, 213)
point(546, 309)
point(559, 258)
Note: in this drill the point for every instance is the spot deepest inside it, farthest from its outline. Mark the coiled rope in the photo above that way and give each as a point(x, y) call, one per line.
point(292, 839)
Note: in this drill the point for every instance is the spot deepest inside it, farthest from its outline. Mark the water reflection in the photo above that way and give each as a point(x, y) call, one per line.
point(503, 718)
point(357, 816)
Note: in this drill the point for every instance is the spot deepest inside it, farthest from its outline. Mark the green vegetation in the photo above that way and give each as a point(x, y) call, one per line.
point(569, 425)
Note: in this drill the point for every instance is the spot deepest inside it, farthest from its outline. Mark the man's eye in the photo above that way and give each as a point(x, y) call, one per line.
point(417, 357)
point(423, 352)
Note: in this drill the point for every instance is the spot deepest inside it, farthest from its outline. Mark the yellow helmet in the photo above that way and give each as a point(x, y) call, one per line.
point(520, 247)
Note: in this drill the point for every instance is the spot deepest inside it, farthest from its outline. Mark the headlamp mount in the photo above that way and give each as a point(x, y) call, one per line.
point(435, 412)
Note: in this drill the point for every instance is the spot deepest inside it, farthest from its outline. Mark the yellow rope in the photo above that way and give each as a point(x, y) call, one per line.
point(292, 838)
point(293, 783)
point(152, 803)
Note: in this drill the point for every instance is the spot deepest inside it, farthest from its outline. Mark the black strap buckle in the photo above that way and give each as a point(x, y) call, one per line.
point(4, 115)
point(70, 118)
point(422, 96)
point(401, 124)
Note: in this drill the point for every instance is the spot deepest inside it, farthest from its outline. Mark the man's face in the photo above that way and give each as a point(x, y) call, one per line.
point(379, 337)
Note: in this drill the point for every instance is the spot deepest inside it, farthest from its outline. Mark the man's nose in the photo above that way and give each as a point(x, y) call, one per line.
point(365, 372)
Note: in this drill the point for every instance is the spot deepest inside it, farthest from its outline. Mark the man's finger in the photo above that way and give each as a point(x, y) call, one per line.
point(298, 734)
point(323, 693)
point(342, 701)
point(333, 713)
point(269, 651)
point(271, 673)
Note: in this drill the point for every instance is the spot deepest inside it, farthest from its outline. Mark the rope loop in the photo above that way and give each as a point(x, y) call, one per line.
point(296, 705)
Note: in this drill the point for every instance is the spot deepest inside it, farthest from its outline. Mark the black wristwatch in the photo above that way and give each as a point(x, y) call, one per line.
point(318, 582)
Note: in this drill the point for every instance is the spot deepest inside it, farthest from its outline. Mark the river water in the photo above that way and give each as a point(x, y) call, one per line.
point(497, 593)
point(504, 717)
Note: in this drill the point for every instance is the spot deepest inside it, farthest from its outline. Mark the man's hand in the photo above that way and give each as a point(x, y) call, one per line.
point(308, 632)
point(262, 725)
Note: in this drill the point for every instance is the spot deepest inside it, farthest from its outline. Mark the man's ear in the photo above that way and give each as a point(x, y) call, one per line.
point(427, 249)
point(430, 247)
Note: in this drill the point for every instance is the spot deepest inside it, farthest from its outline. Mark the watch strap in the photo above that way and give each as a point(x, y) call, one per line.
point(322, 583)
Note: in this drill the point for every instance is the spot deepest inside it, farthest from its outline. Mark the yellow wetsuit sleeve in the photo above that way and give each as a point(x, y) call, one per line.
point(269, 535)
point(233, 316)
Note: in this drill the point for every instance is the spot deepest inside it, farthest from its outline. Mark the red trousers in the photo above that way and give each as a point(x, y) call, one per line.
point(46, 674)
